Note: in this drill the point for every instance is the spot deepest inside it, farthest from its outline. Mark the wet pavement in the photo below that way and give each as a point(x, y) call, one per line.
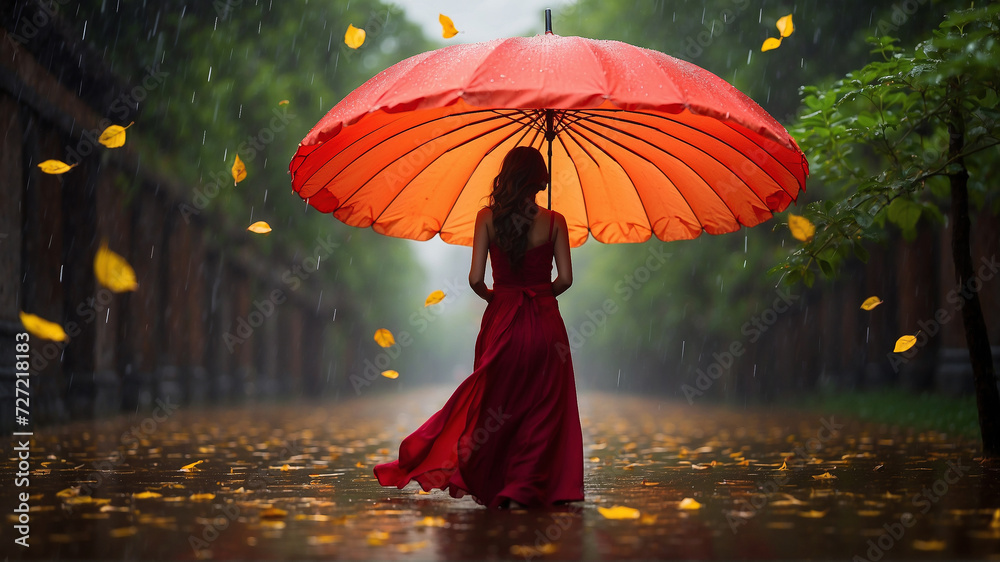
point(693, 482)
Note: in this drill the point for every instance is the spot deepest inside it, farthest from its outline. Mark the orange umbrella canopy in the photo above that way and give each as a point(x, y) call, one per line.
point(642, 143)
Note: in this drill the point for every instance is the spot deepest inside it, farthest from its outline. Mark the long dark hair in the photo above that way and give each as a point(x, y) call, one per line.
point(521, 176)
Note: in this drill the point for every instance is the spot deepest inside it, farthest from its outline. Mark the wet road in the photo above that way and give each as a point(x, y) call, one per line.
point(295, 481)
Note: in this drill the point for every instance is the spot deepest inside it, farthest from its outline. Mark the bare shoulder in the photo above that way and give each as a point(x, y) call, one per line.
point(557, 218)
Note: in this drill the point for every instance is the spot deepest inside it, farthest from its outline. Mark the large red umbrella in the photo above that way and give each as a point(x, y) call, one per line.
point(641, 143)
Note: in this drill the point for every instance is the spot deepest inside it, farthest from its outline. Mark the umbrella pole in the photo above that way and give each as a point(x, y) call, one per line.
point(550, 134)
point(549, 114)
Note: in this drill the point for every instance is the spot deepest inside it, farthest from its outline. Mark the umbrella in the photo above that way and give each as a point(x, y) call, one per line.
point(640, 143)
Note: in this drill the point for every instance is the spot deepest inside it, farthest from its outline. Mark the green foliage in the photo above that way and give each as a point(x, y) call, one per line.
point(951, 415)
point(229, 65)
point(878, 140)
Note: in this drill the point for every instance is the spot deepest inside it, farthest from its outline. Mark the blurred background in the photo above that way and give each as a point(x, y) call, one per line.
point(225, 316)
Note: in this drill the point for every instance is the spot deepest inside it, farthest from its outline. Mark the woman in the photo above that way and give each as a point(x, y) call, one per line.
point(510, 434)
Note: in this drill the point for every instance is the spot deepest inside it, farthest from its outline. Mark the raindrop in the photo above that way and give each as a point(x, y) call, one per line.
point(107, 317)
point(225, 154)
point(265, 196)
point(320, 300)
point(84, 38)
point(683, 345)
point(151, 251)
point(60, 273)
point(749, 55)
point(619, 378)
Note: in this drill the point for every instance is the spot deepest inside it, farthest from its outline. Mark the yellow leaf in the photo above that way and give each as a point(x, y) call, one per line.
point(904, 343)
point(42, 328)
point(55, 167)
point(123, 532)
point(202, 497)
point(390, 374)
point(146, 495)
point(409, 547)
point(447, 27)
point(354, 37)
point(870, 303)
point(689, 504)
point(273, 513)
point(377, 538)
point(824, 476)
point(432, 522)
point(114, 136)
point(801, 228)
point(285, 467)
point(928, 545)
point(384, 338)
point(619, 512)
point(113, 271)
point(785, 27)
point(434, 298)
point(188, 467)
point(812, 514)
point(770, 43)
point(995, 523)
point(75, 491)
point(784, 466)
point(528, 552)
point(239, 171)
point(283, 102)
point(259, 227)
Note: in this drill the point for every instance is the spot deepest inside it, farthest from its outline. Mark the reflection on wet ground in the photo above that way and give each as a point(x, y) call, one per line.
point(295, 481)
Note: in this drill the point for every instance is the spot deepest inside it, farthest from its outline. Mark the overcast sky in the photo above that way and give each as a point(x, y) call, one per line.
point(481, 20)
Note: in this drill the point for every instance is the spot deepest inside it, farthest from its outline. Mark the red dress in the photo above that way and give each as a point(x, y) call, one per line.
point(512, 429)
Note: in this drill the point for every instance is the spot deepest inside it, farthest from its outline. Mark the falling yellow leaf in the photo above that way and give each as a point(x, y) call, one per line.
point(619, 512)
point(55, 167)
point(283, 102)
point(354, 37)
point(785, 27)
point(113, 271)
point(123, 532)
point(384, 338)
point(824, 476)
point(995, 523)
point(928, 545)
point(447, 27)
point(904, 343)
point(147, 495)
point(432, 522)
point(239, 171)
point(870, 303)
point(770, 43)
point(42, 328)
point(812, 514)
point(801, 228)
point(648, 483)
point(189, 467)
point(434, 298)
point(689, 504)
point(285, 467)
point(259, 227)
point(114, 136)
point(201, 497)
point(784, 466)
point(390, 374)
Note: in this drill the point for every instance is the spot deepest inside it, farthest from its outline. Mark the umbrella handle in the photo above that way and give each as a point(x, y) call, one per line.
point(548, 21)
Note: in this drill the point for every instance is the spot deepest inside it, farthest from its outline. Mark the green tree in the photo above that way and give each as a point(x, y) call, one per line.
point(897, 139)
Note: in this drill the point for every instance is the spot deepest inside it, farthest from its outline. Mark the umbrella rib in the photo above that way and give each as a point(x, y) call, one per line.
point(721, 140)
point(525, 129)
point(679, 192)
point(696, 147)
point(448, 150)
point(401, 132)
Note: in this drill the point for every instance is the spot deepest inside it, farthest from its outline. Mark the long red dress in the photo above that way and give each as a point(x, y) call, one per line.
point(512, 429)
